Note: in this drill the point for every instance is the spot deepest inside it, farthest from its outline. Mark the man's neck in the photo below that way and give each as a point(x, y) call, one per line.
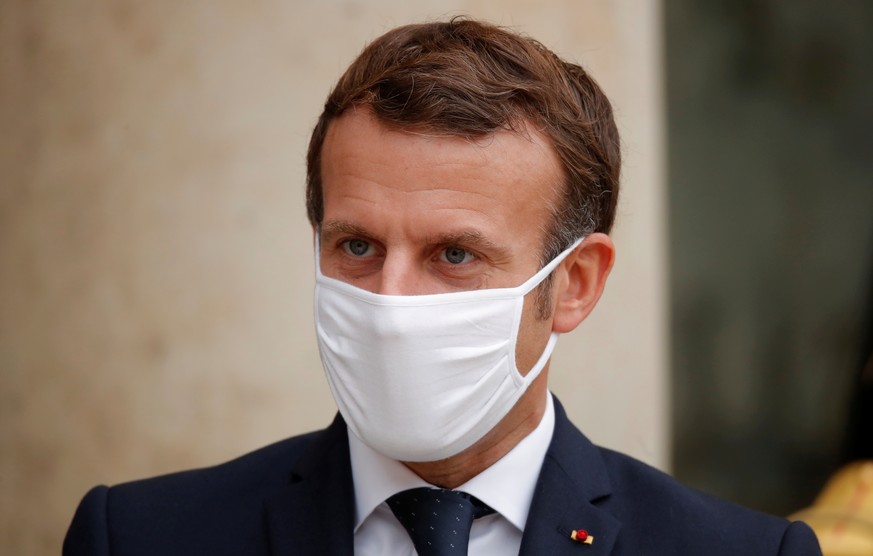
point(519, 422)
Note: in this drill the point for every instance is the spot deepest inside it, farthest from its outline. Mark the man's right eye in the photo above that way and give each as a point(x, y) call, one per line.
point(357, 247)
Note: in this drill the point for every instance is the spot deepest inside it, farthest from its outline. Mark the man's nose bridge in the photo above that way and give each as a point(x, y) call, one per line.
point(398, 274)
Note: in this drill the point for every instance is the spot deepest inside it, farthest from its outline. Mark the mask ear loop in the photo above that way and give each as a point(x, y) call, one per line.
point(523, 381)
point(540, 276)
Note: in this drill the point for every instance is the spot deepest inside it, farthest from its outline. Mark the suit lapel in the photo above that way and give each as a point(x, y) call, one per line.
point(572, 480)
point(314, 514)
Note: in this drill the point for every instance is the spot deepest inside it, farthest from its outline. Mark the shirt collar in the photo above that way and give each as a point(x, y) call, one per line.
point(377, 477)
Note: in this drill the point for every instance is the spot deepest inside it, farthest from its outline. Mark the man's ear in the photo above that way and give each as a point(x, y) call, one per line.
point(580, 281)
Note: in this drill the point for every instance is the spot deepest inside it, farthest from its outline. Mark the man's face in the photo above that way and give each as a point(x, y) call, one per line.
point(412, 214)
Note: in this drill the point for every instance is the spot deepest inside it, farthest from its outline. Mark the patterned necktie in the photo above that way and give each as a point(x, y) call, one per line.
point(438, 521)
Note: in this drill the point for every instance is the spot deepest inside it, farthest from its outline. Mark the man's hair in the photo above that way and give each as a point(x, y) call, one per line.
point(468, 79)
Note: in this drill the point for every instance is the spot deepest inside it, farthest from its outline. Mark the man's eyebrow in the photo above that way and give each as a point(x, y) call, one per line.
point(334, 227)
point(464, 236)
point(472, 238)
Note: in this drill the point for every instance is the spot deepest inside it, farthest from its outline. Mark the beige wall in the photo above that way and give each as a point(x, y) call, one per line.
point(155, 263)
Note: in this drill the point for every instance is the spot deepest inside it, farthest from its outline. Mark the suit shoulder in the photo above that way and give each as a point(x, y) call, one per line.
point(213, 510)
point(249, 473)
point(654, 504)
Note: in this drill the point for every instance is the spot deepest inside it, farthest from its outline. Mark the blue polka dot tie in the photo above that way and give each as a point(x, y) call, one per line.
point(438, 521)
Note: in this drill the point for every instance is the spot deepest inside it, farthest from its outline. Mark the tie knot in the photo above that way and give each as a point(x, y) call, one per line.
point(438, 520)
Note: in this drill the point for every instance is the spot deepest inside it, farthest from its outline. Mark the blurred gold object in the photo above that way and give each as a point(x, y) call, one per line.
point(842, 515)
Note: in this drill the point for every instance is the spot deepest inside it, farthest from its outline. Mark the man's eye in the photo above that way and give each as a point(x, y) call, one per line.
point(456, 255)
point(356, 247)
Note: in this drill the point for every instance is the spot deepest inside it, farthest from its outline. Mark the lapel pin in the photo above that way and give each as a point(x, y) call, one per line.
point(582, 536)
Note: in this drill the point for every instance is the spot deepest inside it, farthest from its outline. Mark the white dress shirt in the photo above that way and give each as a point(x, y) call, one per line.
point(507, 486)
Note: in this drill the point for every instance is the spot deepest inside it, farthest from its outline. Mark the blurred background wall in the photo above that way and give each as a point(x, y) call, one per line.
point(155, 261)
point(771, 240)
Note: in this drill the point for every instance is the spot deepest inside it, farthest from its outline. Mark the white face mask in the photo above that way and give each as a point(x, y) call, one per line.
point(423, 377)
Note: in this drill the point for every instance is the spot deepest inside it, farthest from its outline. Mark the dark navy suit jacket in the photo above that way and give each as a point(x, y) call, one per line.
point(295, 498)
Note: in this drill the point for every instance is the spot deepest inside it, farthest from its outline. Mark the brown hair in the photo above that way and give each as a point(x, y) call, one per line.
point(467, 78)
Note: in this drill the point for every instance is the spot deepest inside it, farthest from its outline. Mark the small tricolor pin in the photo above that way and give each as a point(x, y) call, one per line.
point(582, 536)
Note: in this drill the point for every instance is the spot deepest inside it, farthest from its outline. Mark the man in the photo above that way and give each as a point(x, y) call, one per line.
point(461, 184)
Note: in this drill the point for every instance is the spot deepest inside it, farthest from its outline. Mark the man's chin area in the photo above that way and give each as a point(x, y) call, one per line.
point(454, 471)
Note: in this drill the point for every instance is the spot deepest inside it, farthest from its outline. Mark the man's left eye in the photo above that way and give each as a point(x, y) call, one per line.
point(456, 255)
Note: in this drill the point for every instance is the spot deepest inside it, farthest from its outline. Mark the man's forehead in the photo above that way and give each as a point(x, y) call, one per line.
point(355, 131)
